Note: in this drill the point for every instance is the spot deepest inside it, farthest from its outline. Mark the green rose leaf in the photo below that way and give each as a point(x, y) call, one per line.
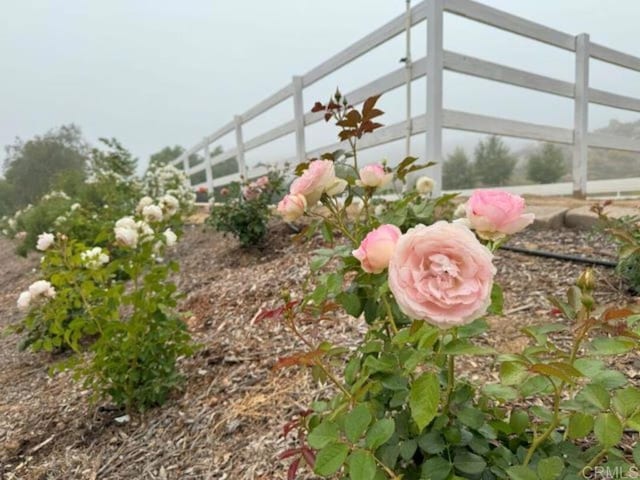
point(550, 468)
point(424, 398)
point(469, 463)
point(436, 468)
point(596, 395)
point(608, 429)
point(362, 465)
point(323, 434)
point(379, 433)
point(521, 472)
point(356, 422)
point(580, 425)
point(626, 401)
point(330, 459)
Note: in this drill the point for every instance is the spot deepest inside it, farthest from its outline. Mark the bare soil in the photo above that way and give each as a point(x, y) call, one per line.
point(227, 422)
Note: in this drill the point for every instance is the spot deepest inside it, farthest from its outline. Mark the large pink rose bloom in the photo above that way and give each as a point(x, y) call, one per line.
point(377, 247)
point(442, 274)
point(320, 176)
point(494, 213)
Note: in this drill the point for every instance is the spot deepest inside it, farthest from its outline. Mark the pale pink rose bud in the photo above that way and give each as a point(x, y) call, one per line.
point(315, 180)
point(251, 191)
point(41, 288)
point(496, 213)
point(45, 240)
point(292, 207)
point(377, 247)
point(336, 187)
point(24, 300)
point(262, 181)
point(374, 176)
point(442, 274)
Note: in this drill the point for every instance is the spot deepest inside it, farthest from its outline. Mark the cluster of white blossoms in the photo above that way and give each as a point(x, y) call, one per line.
point(55, 194)
point(45, 240)
point(94, 258)
point(128, 232)
point(167, 207)
point(38, 289)
point(169, 181)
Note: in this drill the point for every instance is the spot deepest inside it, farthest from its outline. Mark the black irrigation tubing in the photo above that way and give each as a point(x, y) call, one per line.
point(561, 256)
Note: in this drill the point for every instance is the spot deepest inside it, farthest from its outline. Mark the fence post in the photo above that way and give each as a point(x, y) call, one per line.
point(298, 111)
point(185, 165)
point(434, 91)
point(242, 168)
point(207, 166)
point(581, 117)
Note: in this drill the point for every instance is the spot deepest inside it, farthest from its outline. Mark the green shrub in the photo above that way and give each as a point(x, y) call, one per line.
point(245, 211)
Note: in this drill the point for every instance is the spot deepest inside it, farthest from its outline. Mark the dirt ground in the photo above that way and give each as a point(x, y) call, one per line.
point(227, 421)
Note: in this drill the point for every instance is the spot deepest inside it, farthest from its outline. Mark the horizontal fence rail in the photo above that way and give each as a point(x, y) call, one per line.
point(437, 117)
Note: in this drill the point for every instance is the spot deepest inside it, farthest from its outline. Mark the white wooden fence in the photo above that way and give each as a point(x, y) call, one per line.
point(436, 118)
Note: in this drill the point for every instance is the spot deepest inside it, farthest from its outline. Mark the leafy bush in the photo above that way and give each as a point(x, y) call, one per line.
point(244, 213)
point(494, 163)
point(398, 408)
point(547, 165)
point(626, 232)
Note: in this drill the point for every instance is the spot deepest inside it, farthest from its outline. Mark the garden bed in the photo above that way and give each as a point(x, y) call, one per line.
point(227, 424)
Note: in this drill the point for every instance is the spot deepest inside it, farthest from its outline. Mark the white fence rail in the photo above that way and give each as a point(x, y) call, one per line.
point(437, 117)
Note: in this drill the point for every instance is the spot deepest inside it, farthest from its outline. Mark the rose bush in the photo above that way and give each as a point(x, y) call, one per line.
point(399, 408)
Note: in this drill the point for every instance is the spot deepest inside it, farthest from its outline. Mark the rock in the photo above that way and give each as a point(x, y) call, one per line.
point(548, 217)
point(584, 218)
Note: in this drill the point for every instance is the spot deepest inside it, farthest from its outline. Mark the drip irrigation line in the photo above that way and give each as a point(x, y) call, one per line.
point(561, 256)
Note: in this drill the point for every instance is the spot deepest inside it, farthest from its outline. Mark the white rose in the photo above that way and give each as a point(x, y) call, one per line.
point(145, 232)
point(126, 222)
point(152, 213)
point(144, 202)
point(337, 187)
point(425, 185)
point(126, 237)
point(24, 300)
point(45, 240)
point(170, 237)
point(41, 288)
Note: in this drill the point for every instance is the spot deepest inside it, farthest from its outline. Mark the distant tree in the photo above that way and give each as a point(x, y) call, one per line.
point(457, 171)
point(115, 158)
point(494, 162)
point(32, 167)
point(165, 156)
point(547, 165)
point(7, 205)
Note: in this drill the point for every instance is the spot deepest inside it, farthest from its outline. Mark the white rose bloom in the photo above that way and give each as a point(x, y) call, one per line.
point(45, 240)
point(425, 185)
point(152, 213)
point(380, 209)
point(144, 230)
point(75, 207)
point(337, 187)
point(94, 258)
point(461, 211)
point(126, 222)
point(126, 237)
point(170, 237)
point(24, 300)
point(144, 202)
point(170, 205)
point(41, 288)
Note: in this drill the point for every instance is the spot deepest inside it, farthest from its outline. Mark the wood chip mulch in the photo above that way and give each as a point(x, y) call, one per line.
point(227, 421)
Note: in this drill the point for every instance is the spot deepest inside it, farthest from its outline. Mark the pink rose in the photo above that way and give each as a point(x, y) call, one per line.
point(442, 274)
point(262, 181)
point(318, 178)
point(377, 247)
point(374, 176)
point(251, 191)
point(291, 207)
point(495, 213)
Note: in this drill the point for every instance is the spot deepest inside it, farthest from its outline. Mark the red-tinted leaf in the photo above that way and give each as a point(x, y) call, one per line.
point(346, 134)
point(333, 105)
point(317, 107)
point(290, 452)
point(615, 314)
point(374, 113)
point(327, 116)
point(350, 120)
point(327, 156)
point(309, 456)
point(369, 103)
point(306, 359)
point(293, 469)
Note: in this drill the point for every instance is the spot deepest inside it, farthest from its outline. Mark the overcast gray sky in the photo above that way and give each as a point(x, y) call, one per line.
point(159, 72)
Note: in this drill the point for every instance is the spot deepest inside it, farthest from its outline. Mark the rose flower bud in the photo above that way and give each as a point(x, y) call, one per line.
point(374, 176)
point(425, 185)
point(45, 240)
point(377, 247)
point(495, 213)
point(442, 274)
point(316, 180)
point(292, 207)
